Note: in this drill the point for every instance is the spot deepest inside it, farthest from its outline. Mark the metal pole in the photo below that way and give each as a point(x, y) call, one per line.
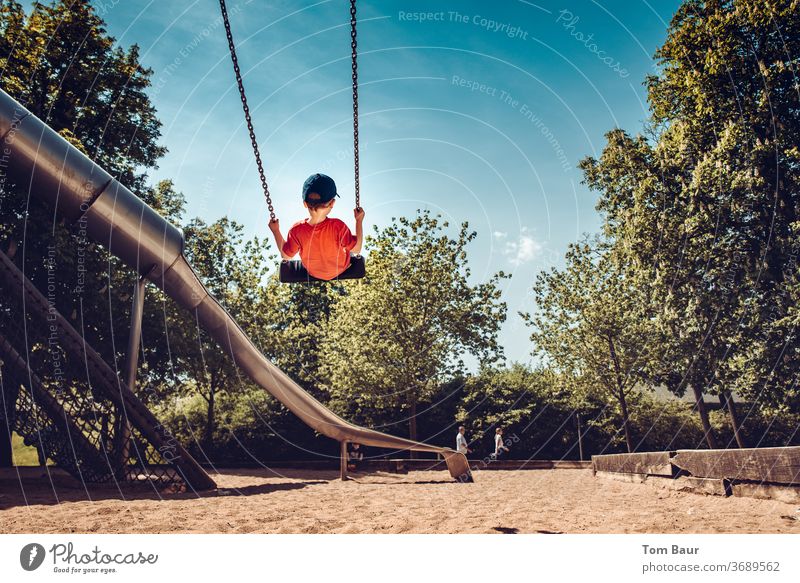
point(343, 461)
point(132, 363)
point(580, 437)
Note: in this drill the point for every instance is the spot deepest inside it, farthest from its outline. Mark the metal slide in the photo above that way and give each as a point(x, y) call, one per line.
point(60, 175)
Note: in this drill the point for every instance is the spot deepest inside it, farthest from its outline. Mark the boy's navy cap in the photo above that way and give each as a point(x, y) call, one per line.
point(319, 188)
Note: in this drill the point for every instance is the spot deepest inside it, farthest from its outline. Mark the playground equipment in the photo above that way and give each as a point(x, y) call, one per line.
point(60, 176)
point(63, 398)
point(293, 271)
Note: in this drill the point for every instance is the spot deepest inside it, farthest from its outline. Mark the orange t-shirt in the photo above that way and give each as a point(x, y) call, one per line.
point(324, 248)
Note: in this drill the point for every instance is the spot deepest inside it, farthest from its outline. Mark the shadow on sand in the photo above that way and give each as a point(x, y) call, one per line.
point(35, 486)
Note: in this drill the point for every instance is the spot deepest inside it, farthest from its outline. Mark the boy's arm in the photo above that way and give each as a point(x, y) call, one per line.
point(359, 214)
point(275, 227)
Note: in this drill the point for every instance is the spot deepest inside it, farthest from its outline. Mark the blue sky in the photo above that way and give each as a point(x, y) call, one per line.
point(479, 111)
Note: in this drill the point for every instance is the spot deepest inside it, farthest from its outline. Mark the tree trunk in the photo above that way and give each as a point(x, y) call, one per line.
point(104, 432)
point(412, 425)
point(209, 433)
point(625, 421)
point(6, 460)
point(727, 402)
point(9, 404)
point(621, 395)
point(700, 404)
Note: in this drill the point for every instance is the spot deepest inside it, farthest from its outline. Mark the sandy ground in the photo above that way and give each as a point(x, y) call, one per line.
point(298, 501)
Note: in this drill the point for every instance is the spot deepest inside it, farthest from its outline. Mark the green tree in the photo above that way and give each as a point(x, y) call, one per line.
point(299, 324)
point(234, 273)
point(589, 327)
point(704, 214)
point(396, 336)
point(59, 62)
point(647, 227)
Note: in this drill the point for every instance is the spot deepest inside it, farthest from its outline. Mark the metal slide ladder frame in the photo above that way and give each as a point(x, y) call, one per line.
point(106, 380)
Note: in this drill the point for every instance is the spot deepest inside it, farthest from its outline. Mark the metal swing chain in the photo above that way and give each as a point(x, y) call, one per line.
point(354, 55)
point(246, 109)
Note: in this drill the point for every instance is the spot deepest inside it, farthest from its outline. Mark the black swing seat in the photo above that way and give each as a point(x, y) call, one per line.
point(292, 271)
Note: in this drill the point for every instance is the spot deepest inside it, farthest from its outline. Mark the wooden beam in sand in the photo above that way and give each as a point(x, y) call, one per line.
point(780, 465)
point(657, 463)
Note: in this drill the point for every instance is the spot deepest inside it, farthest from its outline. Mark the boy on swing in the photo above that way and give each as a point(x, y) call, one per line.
point(324, 244)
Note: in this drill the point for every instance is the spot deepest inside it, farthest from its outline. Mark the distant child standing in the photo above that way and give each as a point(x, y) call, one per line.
point(324, 244)
point(461, 441)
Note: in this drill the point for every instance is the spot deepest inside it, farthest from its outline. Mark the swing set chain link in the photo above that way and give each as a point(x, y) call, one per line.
point(246, 109)
point(354, 56)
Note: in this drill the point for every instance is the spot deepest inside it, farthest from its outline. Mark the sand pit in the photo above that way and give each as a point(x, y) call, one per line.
point(305, 501)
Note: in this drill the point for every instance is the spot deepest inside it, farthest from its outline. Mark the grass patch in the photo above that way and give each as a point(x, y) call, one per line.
point(23, 455)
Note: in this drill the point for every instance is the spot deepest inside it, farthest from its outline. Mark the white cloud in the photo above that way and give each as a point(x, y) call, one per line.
point(523, 250)
point(500, 235)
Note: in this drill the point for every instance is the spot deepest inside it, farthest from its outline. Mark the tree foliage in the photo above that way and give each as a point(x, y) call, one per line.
point(59, 61)
point(703, 215)
point(590, 328)
point(62, 65)
point(408, 326)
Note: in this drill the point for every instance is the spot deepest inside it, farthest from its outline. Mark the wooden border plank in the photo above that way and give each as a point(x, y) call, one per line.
point(780, 465)
point(657, 463)
point(622, 477)
point(789, 494)
point(708, 486)
point(711, 486)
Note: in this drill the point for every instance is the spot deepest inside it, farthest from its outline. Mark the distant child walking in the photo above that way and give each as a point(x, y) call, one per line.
point(500, 450)
point(324, 244)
